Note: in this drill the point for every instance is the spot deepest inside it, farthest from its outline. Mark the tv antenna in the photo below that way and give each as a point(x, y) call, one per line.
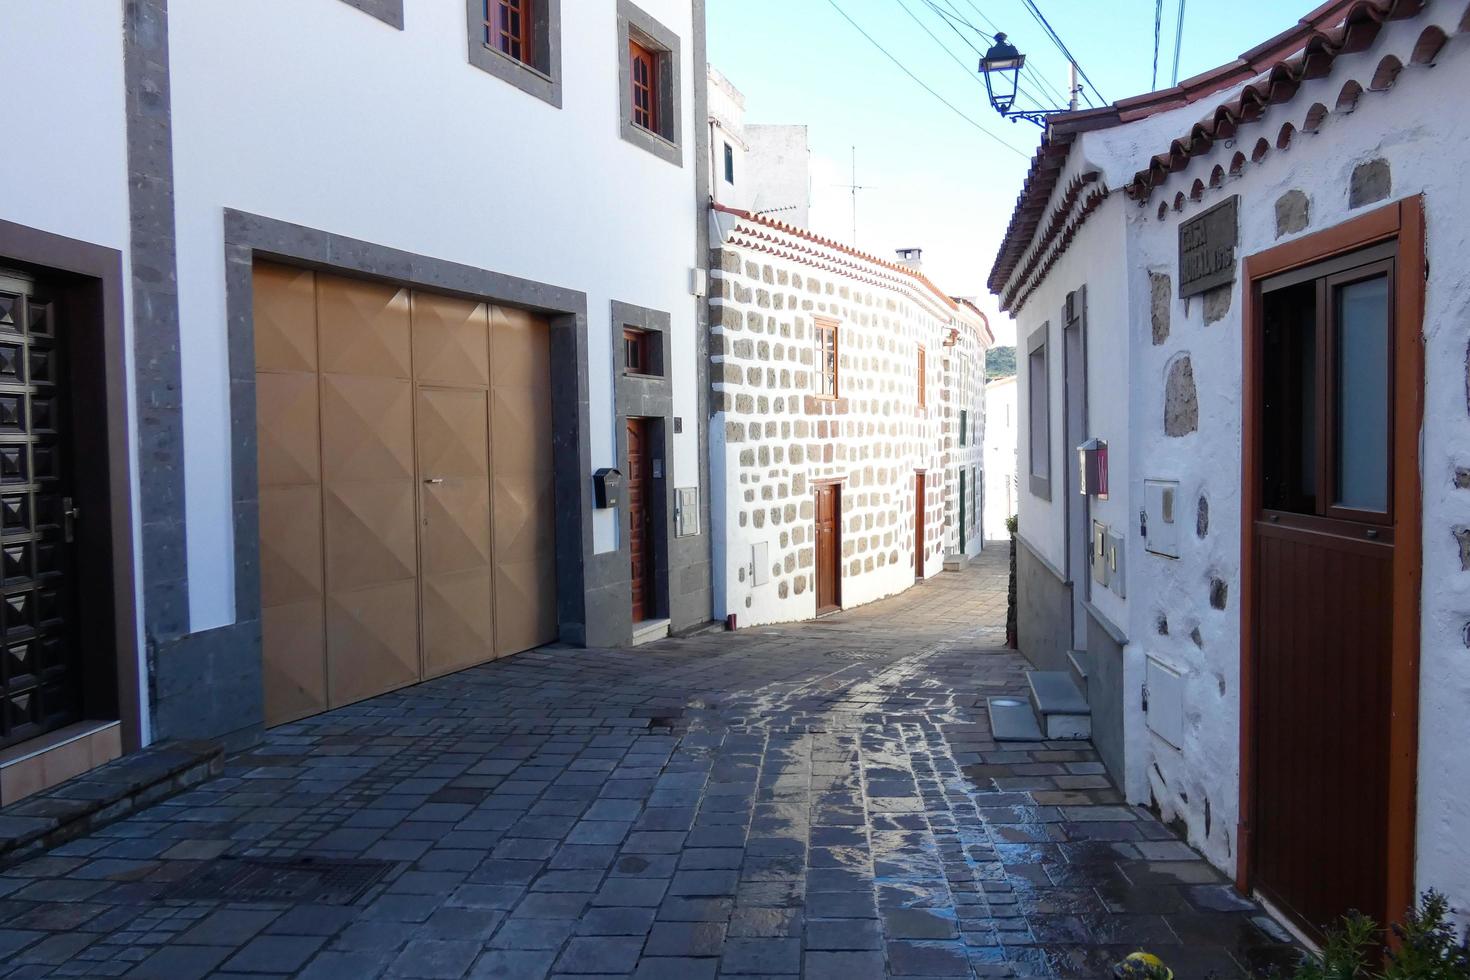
point(854, 187)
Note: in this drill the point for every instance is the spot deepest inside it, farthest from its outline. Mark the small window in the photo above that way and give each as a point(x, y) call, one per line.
point(922, 392)
point(643, 71)
point(964, 424)
point(640, 355)
point(508, 27)
point(826, 371)
point(1038, 413)
point(519, 42)
point(729, 164)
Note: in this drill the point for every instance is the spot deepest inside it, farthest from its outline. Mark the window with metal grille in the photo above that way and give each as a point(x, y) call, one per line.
point(644, 66)
point(508, 25)
point(827, 358)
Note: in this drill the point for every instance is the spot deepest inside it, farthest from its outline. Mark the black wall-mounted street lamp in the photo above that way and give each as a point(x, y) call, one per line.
point(1001, 68)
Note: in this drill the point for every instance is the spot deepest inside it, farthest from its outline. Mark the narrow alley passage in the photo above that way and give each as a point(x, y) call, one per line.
point(820, 800)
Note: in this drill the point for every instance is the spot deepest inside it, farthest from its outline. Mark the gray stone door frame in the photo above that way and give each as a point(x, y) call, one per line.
point(250, 237)
point(645, 396)
point(89, 283)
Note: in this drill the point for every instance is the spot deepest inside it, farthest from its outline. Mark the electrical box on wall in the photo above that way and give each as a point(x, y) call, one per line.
point(1099, 552)
point(1161, 517)
point(1117, 579)
point(1164, 702)
point(686, 511)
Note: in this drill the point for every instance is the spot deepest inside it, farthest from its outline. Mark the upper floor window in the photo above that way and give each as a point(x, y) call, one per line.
point(518, 41)
point(729, 164)
point(643, 67)
point(508, 27)
point(826, 371)
point(1038, 411)
point(641, 352)
point(649, 71)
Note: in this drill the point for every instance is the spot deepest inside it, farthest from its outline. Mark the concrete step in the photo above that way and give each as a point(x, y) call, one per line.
point(1079, 662)
point(649, 630)
point(1060, 706)
point(1012, 720)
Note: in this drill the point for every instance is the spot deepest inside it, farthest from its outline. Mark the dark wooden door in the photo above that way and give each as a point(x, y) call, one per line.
point(829, 554)
point(640, 518)
point(40, 683)
point(919, 528)
point(1324, 589)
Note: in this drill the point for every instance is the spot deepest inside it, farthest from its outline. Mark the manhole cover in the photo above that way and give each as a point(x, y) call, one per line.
point(288, 880)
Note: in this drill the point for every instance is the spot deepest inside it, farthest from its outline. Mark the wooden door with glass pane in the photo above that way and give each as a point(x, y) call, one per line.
point(1324, 597)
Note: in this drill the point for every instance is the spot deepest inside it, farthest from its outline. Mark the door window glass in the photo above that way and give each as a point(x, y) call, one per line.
point(1362, 394)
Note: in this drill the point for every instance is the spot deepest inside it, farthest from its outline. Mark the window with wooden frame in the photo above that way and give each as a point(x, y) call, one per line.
point(729, 164)
point(641, 352)
point(643, 71)
point(826, 367)
point(923, 394)
point(519, 42)
point(508, 28)
point(1327, 389)
point(649, 83)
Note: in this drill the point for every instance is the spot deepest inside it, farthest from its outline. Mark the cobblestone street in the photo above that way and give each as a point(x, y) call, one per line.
point(820, 799)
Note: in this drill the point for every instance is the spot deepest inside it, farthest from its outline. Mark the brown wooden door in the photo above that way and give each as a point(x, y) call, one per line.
point(41, 682)
point(829, 554)
point(1324, 554)
point(919, 528)
point(640, 518)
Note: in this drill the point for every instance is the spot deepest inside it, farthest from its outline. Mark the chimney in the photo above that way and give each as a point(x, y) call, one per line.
point(912, 257)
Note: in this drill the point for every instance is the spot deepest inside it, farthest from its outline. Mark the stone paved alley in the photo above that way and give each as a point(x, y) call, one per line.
point(820, 799)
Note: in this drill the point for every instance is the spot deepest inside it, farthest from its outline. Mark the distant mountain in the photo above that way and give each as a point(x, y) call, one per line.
point(1000, 362)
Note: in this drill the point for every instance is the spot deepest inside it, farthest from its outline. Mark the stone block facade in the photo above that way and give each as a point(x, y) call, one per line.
point(773, 438)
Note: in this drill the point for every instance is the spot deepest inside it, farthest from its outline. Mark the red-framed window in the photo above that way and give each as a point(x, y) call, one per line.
point(643, 65)
point(826, 358)
point(638, 352)
point(508, 28)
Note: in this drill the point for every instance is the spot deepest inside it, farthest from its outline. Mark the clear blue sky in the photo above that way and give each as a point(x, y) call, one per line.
point(938, 182)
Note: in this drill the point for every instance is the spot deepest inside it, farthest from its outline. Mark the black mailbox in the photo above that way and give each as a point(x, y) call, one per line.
point(607, 487)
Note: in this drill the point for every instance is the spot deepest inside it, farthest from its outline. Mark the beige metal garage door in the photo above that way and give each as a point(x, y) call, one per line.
point(406, 527)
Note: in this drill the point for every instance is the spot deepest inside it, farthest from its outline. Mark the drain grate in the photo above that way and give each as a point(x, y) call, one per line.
point(289, 880)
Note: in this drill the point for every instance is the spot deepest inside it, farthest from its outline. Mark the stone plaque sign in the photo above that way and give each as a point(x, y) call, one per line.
point(1207, 248)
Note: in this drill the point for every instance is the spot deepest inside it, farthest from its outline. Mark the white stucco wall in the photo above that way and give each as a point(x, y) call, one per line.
point(65, 168)
point(1410, 127)
point(1001, 489)
point(317, 114)
point(779, 172)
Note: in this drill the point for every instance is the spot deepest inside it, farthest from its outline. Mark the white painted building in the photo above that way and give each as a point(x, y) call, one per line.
point(839, 383)
point(764, 168)
point(295, 254)
point(1215, 280)
point(1002, 492)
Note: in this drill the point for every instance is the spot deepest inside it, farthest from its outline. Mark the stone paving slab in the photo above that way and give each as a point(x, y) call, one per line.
point(819, 800)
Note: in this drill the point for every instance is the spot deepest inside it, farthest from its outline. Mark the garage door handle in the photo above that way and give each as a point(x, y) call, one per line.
point(435, 480)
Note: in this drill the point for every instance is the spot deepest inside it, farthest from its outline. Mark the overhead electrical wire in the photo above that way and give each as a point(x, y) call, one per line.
point(953, 17)
point(1178, 41)
point(1158, 29)
point(966, 68)
point(924, 85)
point(1056, 39)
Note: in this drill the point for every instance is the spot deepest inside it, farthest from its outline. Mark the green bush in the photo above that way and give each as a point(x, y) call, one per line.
point(1429, 948)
